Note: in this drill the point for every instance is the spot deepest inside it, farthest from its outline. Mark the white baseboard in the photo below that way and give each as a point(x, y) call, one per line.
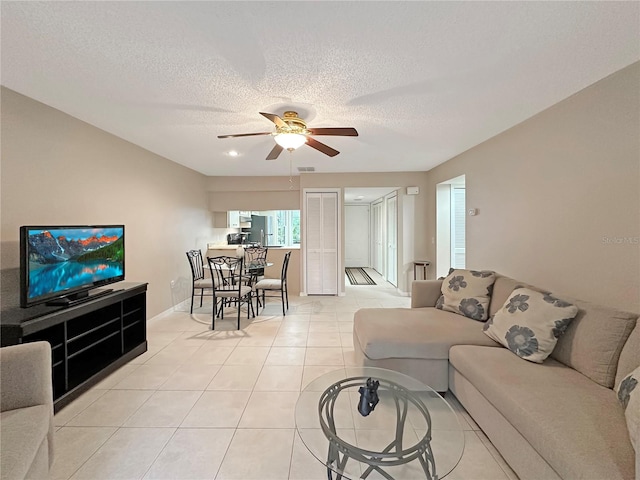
point(171, 310)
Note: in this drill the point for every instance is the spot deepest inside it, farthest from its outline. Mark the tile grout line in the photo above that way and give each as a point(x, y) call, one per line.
point(74, 416)
point(175, 430)
point(95, 451)
point(493, 455)
point(293, 446)
point(226, 451)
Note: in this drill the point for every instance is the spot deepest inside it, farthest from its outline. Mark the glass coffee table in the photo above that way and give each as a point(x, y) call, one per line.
point(410, 433)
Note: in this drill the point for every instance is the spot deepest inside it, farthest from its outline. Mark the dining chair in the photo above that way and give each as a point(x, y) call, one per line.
point(199, 281)
point(275, 284)
point(228, 287)
point(254, 255)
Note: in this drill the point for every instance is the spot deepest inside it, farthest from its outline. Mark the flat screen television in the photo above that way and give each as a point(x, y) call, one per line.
point(59, 265)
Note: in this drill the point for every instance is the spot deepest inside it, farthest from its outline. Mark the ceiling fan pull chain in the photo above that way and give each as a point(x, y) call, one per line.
point(290, 169)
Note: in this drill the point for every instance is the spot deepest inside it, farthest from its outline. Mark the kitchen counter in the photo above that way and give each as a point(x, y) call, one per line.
point(212, 246)
point(222, 247)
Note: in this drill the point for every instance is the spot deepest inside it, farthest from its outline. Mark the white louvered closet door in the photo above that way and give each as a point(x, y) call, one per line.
point(330, 243)
point(321, 242)
point(313, 242)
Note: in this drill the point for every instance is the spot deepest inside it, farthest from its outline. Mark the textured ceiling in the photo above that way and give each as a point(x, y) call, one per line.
point(421, 81)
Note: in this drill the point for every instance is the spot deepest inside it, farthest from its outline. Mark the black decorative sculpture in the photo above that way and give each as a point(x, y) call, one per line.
point(368, 397)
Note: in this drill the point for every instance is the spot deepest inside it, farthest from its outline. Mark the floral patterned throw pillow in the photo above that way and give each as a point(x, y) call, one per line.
point(530, 323)
point(629, 396)
point(467, 292)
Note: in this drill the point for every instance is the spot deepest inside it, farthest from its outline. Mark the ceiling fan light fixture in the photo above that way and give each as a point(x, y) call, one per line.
point(292, 132)
point(290, 141)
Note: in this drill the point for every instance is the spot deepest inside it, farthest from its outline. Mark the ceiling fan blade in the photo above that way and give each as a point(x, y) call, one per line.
point(344, 132)
point(273, 154)
point(244, 135)
point(275, 119)
point(321, 147)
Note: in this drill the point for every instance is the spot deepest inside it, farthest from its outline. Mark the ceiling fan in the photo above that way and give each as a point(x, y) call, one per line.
point(292, 132)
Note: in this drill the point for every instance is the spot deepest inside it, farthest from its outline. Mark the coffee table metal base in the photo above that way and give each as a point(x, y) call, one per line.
point(394, 454)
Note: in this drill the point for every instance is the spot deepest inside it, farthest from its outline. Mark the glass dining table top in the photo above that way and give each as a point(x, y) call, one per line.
point(411, 432)
point(257, 265)
point(249, 266)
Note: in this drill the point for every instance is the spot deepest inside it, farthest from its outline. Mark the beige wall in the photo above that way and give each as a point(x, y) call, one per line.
point(253, 193)
point(59, 170)
point(558, 196)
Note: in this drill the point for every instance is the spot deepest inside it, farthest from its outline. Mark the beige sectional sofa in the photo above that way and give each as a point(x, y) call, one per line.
point(557, 420)
point(26, 422)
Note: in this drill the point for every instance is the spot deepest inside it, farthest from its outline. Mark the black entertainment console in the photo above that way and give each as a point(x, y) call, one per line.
point(89, 340)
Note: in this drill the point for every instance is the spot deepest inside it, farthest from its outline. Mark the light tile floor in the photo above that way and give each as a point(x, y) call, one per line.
point(219, 405)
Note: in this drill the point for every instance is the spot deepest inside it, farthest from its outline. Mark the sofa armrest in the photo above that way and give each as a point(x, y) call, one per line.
point(425, 293)
point(25, 376)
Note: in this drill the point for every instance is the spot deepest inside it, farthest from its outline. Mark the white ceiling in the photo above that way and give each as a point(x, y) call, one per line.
point(421, 81)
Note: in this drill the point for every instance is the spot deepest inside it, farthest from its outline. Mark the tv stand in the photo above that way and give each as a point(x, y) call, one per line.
point(80, 297)
point(90, 338)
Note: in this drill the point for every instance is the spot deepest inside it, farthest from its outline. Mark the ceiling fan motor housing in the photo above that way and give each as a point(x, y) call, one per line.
point(296, 124)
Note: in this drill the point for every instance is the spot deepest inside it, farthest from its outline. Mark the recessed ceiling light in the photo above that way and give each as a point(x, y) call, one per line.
point(233, 153)
point(359, 197)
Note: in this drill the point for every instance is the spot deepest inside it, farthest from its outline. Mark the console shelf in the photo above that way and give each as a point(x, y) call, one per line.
point(88, 341)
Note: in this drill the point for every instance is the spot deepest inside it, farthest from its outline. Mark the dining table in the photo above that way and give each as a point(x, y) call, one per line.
point(253, 269)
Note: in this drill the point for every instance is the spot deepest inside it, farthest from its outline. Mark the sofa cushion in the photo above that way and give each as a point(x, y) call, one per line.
point(593, 341)
point(423, 333)
point(467, 292)
point(630, 355)
point(425, 293)
point(530, 322)
point(22, 434)
point(576, 425)
point(628, 392)
point(502, 289)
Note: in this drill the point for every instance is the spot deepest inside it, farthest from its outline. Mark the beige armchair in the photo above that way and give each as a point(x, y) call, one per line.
point(26, 405)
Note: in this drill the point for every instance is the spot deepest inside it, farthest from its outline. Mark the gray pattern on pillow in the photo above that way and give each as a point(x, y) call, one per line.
point(530, 323)
point(467, 292)
point(629, 396)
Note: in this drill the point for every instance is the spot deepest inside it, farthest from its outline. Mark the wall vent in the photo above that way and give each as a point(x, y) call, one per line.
point(306, 169)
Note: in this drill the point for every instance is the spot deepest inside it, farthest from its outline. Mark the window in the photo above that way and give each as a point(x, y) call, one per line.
point(287, 227)
point(458, 241)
